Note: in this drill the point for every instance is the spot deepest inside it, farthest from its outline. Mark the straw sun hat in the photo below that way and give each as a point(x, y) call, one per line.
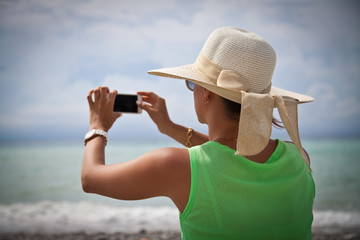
point(238, 65)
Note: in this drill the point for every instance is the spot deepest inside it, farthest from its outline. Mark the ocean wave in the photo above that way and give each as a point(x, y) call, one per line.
point(339, 219)
point(90, 217)
point(65, 217)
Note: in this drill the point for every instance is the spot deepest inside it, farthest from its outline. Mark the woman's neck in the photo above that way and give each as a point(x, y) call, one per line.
point(225, 132)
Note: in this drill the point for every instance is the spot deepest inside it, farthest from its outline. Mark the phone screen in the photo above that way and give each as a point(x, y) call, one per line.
point(126, 103)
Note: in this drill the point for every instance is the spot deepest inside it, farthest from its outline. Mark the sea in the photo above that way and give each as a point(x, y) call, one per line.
point(40, 188)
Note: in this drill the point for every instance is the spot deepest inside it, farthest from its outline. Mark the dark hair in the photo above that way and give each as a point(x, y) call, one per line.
point(233, 112)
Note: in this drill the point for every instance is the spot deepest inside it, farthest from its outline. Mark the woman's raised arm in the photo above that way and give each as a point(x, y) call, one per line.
point(163, 172)
point(155, 106)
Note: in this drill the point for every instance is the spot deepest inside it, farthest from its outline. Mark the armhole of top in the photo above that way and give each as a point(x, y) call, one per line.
point(307, 167)
point(193, 170)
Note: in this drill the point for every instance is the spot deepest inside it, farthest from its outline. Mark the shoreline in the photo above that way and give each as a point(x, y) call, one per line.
point(318, 234)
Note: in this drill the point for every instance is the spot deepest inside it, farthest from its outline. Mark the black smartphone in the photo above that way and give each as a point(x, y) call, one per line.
point(126, 103)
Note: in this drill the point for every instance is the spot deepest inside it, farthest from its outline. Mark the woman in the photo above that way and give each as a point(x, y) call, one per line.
point(235, 182)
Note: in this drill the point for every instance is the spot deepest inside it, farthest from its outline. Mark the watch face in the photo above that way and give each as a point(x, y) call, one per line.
point(90, 133)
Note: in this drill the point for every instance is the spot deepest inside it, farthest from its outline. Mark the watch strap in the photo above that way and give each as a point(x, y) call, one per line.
point(93, 133)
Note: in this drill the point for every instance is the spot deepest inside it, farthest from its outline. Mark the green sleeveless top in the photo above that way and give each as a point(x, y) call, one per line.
point(232, 197)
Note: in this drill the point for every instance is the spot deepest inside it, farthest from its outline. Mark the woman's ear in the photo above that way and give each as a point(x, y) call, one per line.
point(206, 96)
point(206, 93)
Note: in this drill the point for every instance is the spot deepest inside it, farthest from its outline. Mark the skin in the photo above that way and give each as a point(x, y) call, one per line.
point(162, 172)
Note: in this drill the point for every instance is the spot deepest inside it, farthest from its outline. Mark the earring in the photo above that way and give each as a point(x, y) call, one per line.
point(206, 100)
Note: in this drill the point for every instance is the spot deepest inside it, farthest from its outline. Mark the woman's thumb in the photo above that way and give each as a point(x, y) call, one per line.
point(142, 105)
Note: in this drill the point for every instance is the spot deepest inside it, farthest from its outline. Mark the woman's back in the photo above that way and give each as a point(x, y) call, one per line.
point(232, 197)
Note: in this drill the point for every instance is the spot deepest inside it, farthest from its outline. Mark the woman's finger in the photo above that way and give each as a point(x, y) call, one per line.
point(112, 95)
point(104, 90)
point(145, 93)
point(104, 94)
point(89, 97)
point(149, 100)
point(143, 105)
point(148, 97)
point(97, 94)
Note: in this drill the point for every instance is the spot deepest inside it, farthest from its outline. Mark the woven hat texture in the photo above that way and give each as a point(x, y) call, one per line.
point(247, 55)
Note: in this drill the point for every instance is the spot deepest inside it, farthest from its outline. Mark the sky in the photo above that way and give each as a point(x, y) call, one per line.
point(53, 52)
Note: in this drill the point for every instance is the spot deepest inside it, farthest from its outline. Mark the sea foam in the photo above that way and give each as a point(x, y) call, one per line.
point(90, 217)
point(65, 217)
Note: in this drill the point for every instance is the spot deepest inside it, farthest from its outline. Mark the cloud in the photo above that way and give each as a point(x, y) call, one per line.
point(335, 105)
point(54, 52)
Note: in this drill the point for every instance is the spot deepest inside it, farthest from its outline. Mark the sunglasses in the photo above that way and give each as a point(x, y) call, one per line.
point(190, 85)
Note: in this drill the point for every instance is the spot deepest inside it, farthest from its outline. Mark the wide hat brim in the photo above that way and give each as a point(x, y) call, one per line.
point(188, 72)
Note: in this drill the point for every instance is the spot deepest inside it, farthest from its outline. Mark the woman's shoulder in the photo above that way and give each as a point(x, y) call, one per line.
point(173, 152)
point(171, 156)
point(292, 145)
point(174, 163)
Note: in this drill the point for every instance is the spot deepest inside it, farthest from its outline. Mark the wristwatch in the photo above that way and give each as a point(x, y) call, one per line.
point(92, 133)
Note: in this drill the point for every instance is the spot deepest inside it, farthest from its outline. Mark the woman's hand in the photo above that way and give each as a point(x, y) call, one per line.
point(155, 106)
point(101, 108)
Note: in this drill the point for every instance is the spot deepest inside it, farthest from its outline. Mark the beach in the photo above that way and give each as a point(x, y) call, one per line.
point(89, 220)
point(142, 235)
point(318, 234)
point(336, 233)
